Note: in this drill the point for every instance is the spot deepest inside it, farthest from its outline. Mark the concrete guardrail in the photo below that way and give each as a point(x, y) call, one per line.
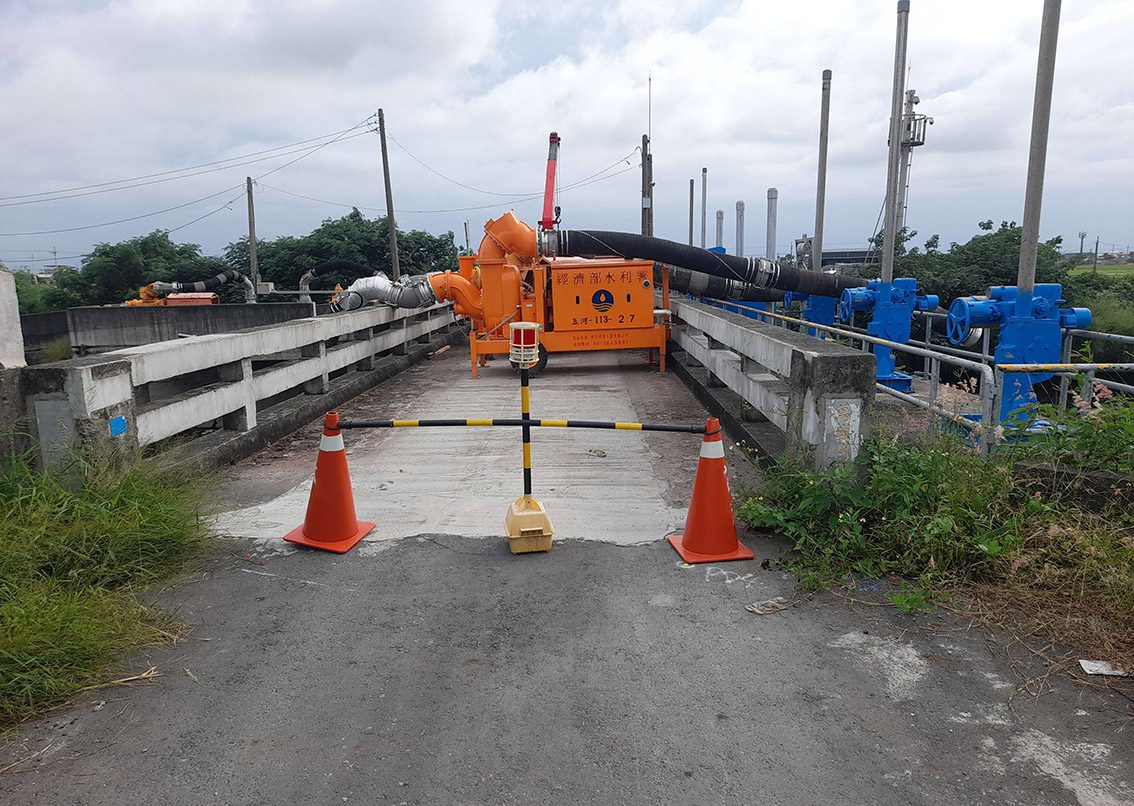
point(146, 395)
point(817, 392)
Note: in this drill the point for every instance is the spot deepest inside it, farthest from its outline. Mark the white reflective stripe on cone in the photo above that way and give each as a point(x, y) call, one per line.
point(335, 443)
point(712, 450)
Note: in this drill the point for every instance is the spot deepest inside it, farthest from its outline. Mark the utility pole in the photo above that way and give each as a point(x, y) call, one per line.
point(1096, 268)
point(253, 263)
point(740, 229)
point(647, 187)
point(395, 268)
point(770, 241)
point(704, 202)
point(720, 227)
point(889, 228)
point(691, 183)
point(468, 241)
point(1082, 238)
point(1037, 159)
point(821, 181)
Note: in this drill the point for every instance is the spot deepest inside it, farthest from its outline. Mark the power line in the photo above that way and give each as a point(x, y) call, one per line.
point(493, 192)
point(515, 200)
point(123, 220)
point(189, 168)
point(175, 178)
point(306, 154)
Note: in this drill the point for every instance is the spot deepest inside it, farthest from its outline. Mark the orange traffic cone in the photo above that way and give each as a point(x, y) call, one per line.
point(330, 524)
point(710, 530)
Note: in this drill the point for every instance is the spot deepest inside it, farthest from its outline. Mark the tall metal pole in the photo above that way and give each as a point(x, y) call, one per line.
point(889, 230)
point(904, 159)
point(770, 242)
point(720, 227)
point(704, 202)
point(821, 182)
point(1037, 157)
point(395, 267)
point(253, 263)
point(740, 229)
point(647, 187)
point(691, 184)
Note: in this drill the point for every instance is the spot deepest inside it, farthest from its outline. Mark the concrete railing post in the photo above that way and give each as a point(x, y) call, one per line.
point(240, 372)
point(320, 383)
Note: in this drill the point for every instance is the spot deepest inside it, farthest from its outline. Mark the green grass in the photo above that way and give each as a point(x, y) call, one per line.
point(72, 559)
point(1106, 269)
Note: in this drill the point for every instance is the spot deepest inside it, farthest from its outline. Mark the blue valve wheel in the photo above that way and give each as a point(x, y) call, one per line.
point(958, 322)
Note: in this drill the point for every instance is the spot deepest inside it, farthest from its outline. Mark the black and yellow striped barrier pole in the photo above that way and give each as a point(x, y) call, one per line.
point(505, 422)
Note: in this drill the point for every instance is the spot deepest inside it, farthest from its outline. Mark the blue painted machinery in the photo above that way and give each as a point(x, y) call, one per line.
point(817, 309)
point(1028, 335)
point(892, 306)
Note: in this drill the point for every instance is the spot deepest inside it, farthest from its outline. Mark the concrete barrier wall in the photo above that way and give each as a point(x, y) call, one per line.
point(816, 392)
point(146, 395)
point(97, 329)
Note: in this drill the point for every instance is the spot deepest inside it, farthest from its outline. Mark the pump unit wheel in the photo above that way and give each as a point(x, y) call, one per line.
point(537, 367)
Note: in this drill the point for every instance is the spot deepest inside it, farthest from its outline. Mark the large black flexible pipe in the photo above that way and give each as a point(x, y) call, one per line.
point(708, 285)
point(213, 283)
point(748, 271)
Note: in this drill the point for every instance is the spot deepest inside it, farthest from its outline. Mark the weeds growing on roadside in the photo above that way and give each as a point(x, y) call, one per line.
point(939, 515)
point(74, 548)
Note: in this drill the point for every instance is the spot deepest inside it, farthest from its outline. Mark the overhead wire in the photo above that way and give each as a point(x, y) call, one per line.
point(307, 153)
point(530, 197)
point(189, 168)
point(172, 178)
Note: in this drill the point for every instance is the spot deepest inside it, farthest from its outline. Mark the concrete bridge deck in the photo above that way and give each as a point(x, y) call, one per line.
point(430, 666)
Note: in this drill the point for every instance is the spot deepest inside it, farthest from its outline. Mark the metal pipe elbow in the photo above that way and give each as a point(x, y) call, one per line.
point(452, 286)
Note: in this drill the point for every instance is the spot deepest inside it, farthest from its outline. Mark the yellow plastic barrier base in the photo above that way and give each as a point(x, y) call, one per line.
point(528, 526)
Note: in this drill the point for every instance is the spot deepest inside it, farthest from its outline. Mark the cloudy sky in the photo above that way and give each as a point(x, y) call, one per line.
point(92, 93)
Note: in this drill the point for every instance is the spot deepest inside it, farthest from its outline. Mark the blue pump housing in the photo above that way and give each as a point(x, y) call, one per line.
point(817, 309)
point(892, 306)
point(1035, 338)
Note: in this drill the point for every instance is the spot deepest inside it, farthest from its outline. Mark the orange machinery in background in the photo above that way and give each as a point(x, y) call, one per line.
point(580, 304)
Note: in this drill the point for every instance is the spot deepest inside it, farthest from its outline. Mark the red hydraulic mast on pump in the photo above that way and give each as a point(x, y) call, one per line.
point(548, 220)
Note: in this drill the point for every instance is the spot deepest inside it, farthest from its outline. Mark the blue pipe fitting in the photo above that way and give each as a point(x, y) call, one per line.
point(892, 306)
point(815, 308)
point(1033, 338)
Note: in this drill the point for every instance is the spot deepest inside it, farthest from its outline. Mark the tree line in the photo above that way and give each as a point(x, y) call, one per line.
point(113, 273)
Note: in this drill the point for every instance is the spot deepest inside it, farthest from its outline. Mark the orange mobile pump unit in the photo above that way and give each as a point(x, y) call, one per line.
point(580, 304)
point(586, 289)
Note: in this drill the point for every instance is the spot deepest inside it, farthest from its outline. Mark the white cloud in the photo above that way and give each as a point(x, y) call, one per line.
point(96, 91)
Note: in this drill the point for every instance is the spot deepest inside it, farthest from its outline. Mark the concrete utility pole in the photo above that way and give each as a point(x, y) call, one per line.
point(1096, 268)
point(691, 184)
point(468, 240)
point(395, 268)
point(253, 263)
point(1037, 157)
point(889, 225)
point(720, 227)
point(1082, 238)
point(740, 229)
point(647, 187)
point(821, 182)
point(770, 241)
point(704, 202)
